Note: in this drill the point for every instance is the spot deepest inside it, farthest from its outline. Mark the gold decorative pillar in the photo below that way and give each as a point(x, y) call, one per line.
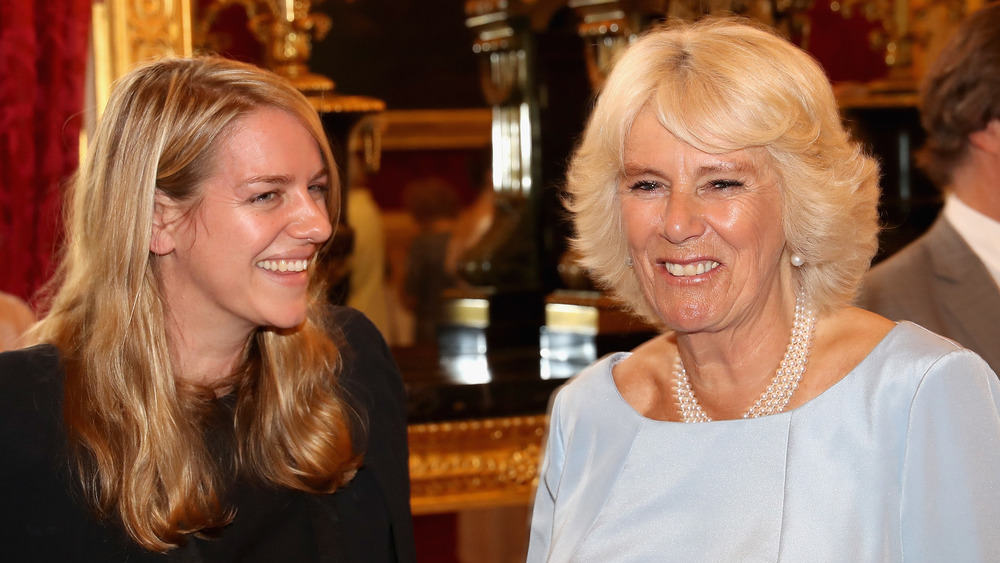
point(286, 29)
point(608, 26)
point(507, 256)
point(502, 306)
point(125, 32)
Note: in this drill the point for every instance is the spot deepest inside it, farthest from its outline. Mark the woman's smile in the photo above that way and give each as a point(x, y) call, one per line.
point(701, 228)
point(689, 269)
point(290, 266)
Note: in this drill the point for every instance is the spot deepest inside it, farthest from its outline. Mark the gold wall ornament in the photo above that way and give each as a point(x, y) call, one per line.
point(500, 44)
point(608, 26)
point(437, 129)
point(125, 32)
point(934, 23)
point(474, 463)
point(286, 28)
point(911, 36)
point(894, 39)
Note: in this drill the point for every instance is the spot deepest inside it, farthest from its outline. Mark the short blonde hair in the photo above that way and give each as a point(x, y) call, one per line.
point(720, 85)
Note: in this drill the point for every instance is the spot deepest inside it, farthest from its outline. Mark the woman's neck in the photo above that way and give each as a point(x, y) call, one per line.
point(730, 369)
point(205, 358)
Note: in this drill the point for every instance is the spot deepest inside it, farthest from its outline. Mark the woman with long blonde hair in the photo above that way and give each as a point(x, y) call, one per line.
point(189, 393)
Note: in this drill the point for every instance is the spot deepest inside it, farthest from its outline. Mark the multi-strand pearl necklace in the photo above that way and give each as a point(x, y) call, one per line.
point(786, 380)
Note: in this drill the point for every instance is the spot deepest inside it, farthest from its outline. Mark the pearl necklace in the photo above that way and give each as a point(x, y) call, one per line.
point(786, 380)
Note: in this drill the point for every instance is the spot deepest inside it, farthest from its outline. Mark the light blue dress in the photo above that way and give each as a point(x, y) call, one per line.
point(898, 461)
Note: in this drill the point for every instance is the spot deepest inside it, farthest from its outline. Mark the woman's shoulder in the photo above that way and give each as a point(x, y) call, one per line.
point(374, 388)
point(921, 346)
point(28, 371)
point(357, 338)
point(911, 358)
point(368, 369)
point(44, 353)
point(591, 386)
point(597, 374)
point(30, 381)
point(352, 324)
point(31, 394)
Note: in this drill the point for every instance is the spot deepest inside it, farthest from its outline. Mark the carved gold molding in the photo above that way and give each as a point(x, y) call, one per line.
point(437, 129)
point(474, 463)
point(129, 31)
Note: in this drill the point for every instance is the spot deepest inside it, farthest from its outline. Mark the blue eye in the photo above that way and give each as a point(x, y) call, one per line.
point(260, 198)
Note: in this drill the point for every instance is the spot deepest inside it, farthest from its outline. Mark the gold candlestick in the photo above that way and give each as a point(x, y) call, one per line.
point(286, 28)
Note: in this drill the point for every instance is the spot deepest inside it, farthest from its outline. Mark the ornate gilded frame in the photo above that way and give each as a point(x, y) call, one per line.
point(125, 32)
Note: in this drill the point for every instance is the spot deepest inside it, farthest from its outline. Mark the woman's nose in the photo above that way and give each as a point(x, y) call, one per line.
point(311, 220)
point(682, 218)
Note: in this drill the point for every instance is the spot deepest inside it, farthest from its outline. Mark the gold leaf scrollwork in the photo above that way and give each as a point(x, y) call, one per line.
point(475, 463)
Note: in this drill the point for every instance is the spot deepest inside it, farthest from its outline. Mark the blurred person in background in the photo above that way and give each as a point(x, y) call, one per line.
point(948, 280)
point(433, 204)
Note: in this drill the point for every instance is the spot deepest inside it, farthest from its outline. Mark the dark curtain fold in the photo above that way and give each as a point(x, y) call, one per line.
point(43, 60)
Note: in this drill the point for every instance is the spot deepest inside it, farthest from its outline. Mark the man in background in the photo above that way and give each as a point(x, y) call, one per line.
point(948, 281)
point(434, 206)
point(367, 282)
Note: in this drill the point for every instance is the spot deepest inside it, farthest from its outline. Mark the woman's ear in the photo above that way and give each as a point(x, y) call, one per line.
point(161, 241)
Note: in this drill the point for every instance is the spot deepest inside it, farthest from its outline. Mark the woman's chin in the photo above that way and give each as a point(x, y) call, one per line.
point(287, 322)
point(686, 317)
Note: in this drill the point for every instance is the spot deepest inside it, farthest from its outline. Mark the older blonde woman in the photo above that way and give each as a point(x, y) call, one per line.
point(192, 398)
point(716, 193)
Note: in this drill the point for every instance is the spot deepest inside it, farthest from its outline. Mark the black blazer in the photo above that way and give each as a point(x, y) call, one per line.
point(42, 517)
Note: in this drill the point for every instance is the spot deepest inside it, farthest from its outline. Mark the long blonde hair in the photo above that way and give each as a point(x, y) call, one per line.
point(136, 433)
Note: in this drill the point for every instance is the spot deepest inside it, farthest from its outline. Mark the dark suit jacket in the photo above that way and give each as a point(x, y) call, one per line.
point(43, 518)
point(939, 283)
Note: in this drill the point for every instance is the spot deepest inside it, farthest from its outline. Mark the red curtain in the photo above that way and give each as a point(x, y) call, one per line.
point(43, 59)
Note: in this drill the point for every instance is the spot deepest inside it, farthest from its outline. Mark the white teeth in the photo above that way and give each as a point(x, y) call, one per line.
point(693, 269)
point(284, 265)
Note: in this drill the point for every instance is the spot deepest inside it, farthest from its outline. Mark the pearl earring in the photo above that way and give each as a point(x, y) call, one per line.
point(797, 260)
point(628, 261)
